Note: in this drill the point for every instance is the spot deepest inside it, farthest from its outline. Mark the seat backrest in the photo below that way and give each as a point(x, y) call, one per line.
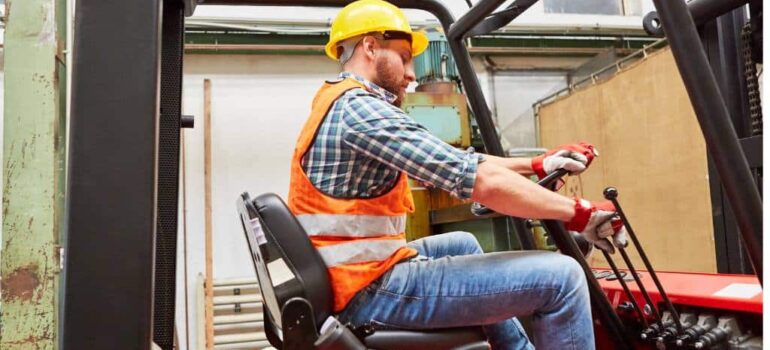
point(286, 263)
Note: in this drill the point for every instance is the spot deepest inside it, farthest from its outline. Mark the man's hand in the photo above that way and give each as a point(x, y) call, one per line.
point(597, 221)
point(574, 158)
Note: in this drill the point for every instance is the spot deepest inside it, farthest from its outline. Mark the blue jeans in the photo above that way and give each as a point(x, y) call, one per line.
point(453, 284)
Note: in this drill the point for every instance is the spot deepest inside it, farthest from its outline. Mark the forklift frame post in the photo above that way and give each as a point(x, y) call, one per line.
point(721, 38)
point(714, 119)
point(112, 168)
point(455, 35)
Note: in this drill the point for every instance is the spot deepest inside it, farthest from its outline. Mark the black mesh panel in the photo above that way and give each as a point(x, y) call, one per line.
point(168, 173)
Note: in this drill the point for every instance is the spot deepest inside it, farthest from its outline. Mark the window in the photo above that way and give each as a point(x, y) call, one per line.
point(595, 7)
point(513, 93)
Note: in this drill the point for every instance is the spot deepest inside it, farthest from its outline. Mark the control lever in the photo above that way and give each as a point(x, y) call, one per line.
point(654, 329)
point(611, 194)
point(726, 328)
point(479, 209)
point(706, 322)
point(623, 284)
point(585, 246)
point(687, 320)
point(548, 182)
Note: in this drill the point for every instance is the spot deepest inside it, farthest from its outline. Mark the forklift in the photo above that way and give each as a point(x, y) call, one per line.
point(125, 131)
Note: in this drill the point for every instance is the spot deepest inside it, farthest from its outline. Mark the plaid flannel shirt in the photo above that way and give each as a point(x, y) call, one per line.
point(365, 142)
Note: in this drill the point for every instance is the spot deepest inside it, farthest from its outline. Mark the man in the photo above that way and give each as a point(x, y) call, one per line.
point(349, 191)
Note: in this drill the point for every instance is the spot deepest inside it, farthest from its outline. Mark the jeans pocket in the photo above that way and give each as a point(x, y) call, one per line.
point(397, 281)
point(349, 313)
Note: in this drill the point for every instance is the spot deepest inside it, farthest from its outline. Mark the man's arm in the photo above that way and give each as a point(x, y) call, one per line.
point(379, 131)
point(522, 166)
point(508, 192)
point(386, 134)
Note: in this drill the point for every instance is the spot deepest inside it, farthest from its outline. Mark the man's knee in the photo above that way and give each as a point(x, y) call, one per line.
point(572, 274)
point(467, 240)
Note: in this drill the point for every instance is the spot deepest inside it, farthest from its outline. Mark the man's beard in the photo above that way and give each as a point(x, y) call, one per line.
point(388, 81)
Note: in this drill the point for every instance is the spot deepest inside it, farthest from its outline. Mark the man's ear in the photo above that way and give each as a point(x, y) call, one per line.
point(369, 45)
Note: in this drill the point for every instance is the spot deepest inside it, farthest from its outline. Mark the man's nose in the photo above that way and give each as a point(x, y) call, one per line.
point(409, 73)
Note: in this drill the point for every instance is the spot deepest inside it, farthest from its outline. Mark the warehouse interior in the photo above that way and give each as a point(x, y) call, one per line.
point(131, 129)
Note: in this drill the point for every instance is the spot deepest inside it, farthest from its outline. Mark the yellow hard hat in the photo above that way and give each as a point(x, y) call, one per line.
point(367, 16)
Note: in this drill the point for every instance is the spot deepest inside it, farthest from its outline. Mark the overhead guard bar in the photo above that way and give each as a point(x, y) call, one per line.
point(705, 10)
point(501, 18)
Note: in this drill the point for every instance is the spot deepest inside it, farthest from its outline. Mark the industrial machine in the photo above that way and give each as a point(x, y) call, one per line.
point(128, 147)
point(439, 104)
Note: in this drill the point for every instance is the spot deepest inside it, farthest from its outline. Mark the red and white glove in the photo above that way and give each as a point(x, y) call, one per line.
point(597, 221)
point(574, 158)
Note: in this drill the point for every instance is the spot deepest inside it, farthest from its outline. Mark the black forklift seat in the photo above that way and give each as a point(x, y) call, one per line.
point(297, 298)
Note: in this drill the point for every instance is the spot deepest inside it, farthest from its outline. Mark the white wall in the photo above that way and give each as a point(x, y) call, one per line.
point(259, 103)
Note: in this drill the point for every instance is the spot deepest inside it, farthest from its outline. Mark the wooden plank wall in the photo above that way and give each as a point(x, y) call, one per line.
point(651, 149)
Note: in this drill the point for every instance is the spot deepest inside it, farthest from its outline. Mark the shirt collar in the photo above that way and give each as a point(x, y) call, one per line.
point(385, 94)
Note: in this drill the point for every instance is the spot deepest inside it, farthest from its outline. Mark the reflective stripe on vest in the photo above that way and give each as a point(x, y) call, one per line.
point(358, 251)
point(358, 226)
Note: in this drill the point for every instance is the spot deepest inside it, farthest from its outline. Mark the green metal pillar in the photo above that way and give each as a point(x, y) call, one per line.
point(34, 130)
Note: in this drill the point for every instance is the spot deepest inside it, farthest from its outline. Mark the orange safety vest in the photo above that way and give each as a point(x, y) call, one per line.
point(359, 239)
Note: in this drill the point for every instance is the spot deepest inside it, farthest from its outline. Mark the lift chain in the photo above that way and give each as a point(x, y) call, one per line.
point(752, 85)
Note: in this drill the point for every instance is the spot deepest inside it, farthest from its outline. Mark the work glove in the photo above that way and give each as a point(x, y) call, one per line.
point(574, 158)
point(596, 221)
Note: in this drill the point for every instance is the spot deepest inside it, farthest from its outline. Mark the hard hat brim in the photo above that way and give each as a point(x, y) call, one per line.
point(419, 44)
